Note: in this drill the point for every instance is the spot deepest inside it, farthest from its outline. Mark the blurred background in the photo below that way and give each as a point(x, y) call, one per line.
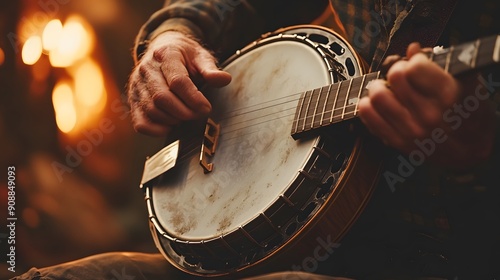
point(63, 68)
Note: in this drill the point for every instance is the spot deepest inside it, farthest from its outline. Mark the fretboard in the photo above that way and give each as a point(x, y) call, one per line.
point(334, 103)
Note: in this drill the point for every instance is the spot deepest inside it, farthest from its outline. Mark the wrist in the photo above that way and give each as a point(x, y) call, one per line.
point(179, 25)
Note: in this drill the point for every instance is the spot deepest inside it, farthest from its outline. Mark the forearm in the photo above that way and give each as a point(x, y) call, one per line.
point(226, 25)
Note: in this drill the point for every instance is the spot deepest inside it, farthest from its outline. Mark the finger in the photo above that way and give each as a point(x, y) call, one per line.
point(413, 49)
point(430, 80)
point(205, 64)
point(388, 62)
point(143, 124)
point(145, 116)
point(159, 116)
point(420, 105)
point(160, 97)
point(427, 76)
point(179, 82)
point(153, 87)
point(377, 125)
point(393, 112)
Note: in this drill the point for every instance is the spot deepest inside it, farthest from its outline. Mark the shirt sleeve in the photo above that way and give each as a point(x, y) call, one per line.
point(226, 25)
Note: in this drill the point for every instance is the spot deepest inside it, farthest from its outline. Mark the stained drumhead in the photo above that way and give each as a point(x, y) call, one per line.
point(256, 158)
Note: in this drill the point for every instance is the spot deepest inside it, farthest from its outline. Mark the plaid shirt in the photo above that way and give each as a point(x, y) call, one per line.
point(227, 25)
point(431, 215)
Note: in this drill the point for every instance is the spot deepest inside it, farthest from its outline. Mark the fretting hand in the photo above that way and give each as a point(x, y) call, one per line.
point(415, 102)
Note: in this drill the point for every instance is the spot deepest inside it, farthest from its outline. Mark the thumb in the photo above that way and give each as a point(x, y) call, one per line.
point(206, 66)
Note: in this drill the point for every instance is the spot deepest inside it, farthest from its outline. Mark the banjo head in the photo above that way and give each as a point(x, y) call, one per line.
point(250, 204)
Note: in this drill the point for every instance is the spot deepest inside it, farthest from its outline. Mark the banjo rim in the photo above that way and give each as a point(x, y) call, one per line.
point(159, 232)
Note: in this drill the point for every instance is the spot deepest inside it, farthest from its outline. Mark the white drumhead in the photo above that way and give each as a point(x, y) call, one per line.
point(256, 159)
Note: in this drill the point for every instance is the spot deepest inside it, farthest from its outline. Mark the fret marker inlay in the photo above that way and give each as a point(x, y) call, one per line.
point(466, 56)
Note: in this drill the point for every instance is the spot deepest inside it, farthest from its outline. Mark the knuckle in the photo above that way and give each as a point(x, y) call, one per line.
point(167, 104)
point(166, 52)
point(164, 101)
point(432, 117)
point(161, 99)
point(185, 115)
point(147, 109)
point(143, 128)
point(134, 97)
point(416, 67)
point(378, 99)
point(137, 122)
point(396, 71)
point(139, 127)
point(178, 81)
point(144, 70)
point(160, 54)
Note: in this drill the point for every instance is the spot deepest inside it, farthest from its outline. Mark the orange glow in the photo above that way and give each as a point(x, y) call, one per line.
point(31, 24)
point(75, 43)
point(32, 50)
point(2, 57)
point(31, 217)
point(51, 34)
point(89, 83)
point(64, 107)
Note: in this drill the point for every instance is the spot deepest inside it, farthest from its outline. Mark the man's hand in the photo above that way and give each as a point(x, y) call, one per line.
point(412, 104)
point(163, 86)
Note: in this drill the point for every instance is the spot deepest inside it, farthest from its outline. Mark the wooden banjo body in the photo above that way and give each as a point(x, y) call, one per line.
point(261, 201)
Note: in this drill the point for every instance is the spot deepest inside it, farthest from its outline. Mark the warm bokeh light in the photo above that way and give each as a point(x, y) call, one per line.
point(75, 43)
point(64, 107)
point(51, 34)
point(32, 50)
point(2, 57)
point(89, 83)
point(81, 96)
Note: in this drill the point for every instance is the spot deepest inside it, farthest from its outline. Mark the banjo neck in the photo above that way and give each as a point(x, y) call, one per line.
point(334, 103)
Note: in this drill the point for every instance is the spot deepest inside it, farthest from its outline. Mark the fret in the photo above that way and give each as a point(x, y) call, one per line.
point(346, 98)
point(310, 108)
point(363, 91)
point(468, 56)
point(299, 112)
point(320, 90)
point(496, 50)
point(366, 79)
point(456, 66)
point(352, 97)
point(307, 111)
point(448, 59)
point(324, 106)
point(440, 59)
point(488, 49)
point(377, 76)
point(339, 85)
point(476, 52)
point(361, 87)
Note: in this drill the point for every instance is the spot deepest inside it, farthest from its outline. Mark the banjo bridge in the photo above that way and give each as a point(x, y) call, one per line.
point(210, 141)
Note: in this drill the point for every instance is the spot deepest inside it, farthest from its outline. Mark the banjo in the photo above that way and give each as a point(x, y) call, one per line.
point(267, 178)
